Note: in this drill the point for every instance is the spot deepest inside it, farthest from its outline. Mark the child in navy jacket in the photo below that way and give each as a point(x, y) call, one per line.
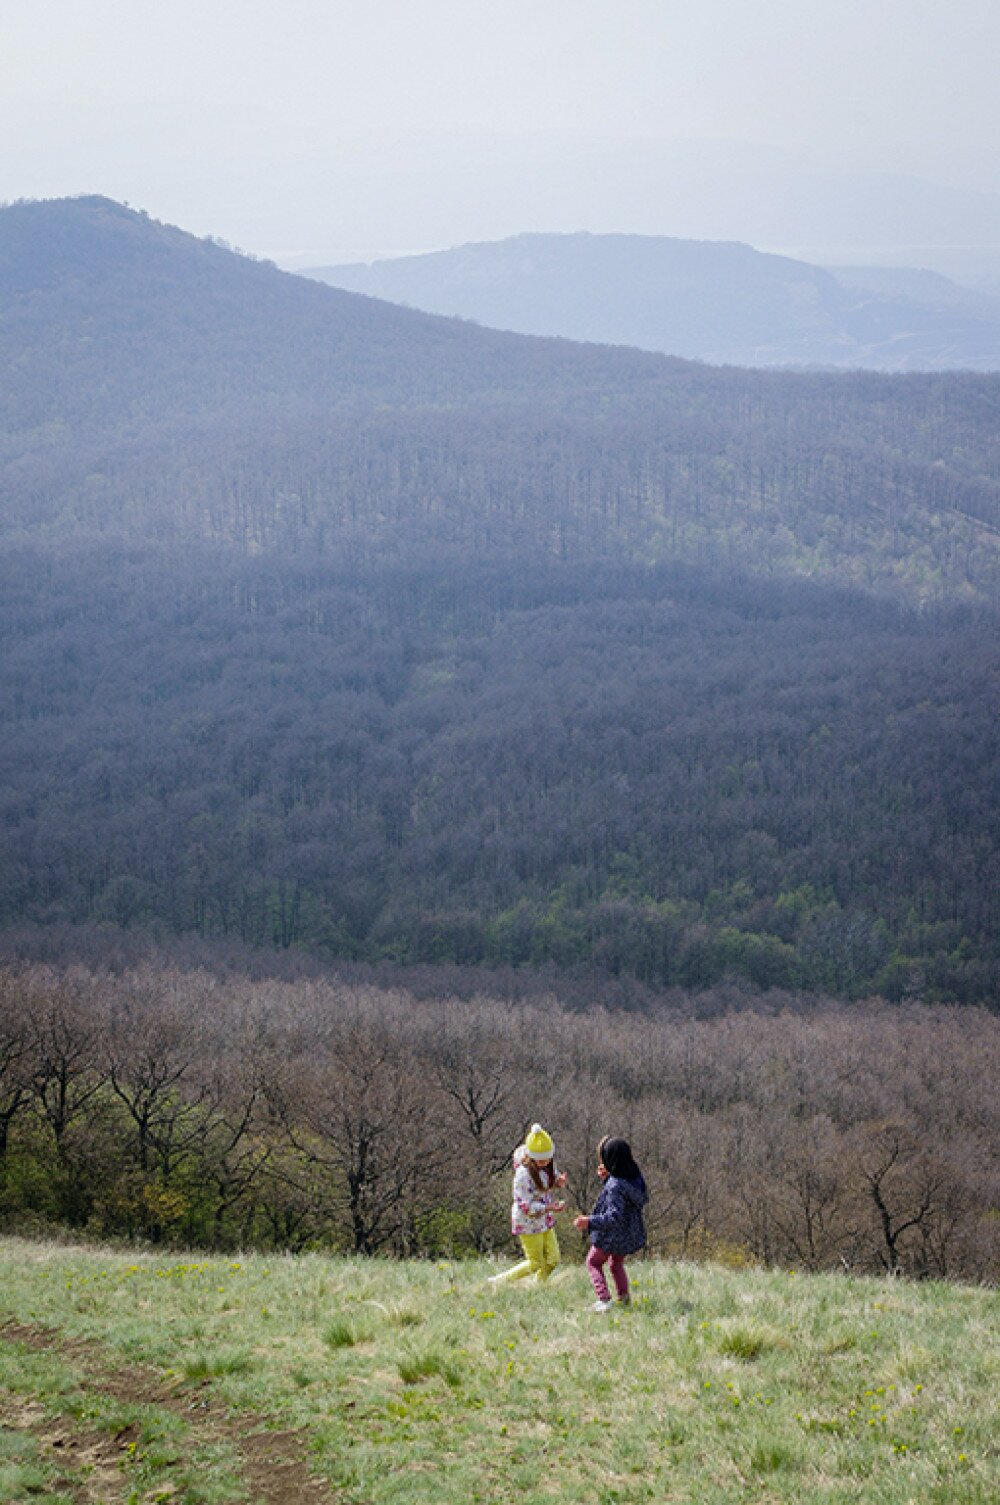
point(615, 1226)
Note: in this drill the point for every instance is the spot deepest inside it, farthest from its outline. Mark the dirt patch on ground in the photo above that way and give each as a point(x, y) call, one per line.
point(87, 1465)
point(272, 1463)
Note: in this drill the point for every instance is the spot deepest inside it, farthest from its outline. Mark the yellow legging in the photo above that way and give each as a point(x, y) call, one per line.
point(541, 1255)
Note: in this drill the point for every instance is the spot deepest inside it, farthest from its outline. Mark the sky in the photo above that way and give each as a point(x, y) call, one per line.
point(314, 126)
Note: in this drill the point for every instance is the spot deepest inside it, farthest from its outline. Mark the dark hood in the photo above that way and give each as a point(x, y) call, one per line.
point(633, 1189)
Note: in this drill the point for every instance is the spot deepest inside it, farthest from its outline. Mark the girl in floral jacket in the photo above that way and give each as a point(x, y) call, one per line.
point(534, 1208)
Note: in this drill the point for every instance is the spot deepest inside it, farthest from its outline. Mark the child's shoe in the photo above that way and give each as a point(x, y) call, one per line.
point(601, 1306)
point(625, 1300)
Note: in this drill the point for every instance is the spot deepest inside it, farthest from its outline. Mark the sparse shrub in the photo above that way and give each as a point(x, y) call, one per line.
point(744, 1343)
point(212, 1366)
point(771, 1458)
point(340, 1334)
point(406, 1317)
point(423, 1366)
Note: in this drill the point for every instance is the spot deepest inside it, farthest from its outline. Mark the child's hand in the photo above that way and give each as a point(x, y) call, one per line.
point(562, 1178)
point(558, 1207)
point(581, 1222)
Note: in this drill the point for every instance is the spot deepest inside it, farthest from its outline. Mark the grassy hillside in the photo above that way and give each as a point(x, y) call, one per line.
point(416, 1382)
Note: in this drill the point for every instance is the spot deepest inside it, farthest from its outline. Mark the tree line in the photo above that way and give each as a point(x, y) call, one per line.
point(184, 1107)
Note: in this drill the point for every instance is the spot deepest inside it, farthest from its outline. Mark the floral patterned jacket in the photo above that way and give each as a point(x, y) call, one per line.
point(531, 1210)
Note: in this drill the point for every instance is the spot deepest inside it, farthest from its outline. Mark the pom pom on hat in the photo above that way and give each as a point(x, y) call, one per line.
point(539, 1144)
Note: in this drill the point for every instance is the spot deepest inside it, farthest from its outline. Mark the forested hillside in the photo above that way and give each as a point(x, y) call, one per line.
point(335, 625)
point(671, 774)
point(154, 384)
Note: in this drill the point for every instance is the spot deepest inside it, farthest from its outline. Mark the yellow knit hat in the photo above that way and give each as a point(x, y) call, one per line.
point(539, 1144)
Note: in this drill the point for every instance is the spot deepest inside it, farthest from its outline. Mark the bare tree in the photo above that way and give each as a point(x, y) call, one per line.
point(175, 1102)
point(904, 1186)
point(360, 1118)
point(686, 1179)
point(809, 1194)
point(66, 1082)
point(16, 1066)
point(235, 1147)
point(151, 1051)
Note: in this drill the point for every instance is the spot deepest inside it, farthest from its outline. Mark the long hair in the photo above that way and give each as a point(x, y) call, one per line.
point(543, 1175)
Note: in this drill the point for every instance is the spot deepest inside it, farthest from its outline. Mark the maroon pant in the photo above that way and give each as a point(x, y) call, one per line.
point(596, 1260)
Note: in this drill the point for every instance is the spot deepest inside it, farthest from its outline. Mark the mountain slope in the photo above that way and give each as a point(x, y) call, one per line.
point(919, 285)
point(110, 317)
point(336, 625)
point(155, 384)
point(714, 301)
point(486, 186)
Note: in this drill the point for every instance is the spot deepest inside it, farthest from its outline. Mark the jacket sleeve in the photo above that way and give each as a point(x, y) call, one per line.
point(612, 1213)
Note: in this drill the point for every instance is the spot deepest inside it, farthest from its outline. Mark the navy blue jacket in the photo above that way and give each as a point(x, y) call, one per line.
point(616, 1224)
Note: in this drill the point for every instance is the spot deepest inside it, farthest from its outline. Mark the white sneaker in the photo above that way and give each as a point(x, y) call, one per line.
point(601, 1306)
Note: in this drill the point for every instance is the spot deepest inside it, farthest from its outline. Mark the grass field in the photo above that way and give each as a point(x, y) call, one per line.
point(140, 1378)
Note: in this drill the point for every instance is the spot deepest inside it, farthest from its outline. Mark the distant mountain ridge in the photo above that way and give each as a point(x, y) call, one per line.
point(919, 285)
point(486, 186)
point(716, 301)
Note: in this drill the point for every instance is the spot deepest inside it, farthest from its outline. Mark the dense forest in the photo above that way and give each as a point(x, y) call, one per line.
point(333, 625)
point(663, 773)
point(186, 1107)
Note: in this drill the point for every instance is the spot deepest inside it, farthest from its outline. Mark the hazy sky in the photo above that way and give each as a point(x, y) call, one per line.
point(398, 124)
